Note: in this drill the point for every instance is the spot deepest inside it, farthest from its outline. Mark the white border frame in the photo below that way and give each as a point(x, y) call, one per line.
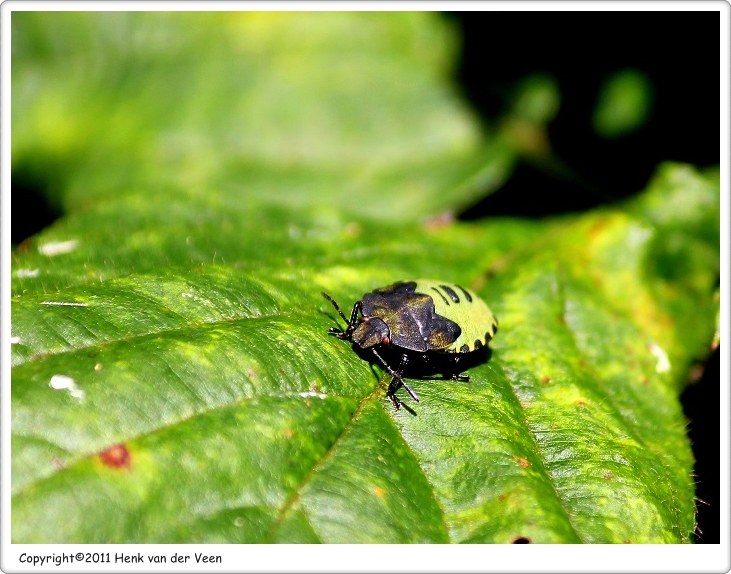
point(425, 558)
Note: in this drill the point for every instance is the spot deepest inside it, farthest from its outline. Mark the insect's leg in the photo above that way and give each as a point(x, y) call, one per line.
point(400, 371)
point(397, 380)
point(353, 316)
point(396, 384)
point(395, 400)
point(459, 376)
point(385, 364)
point(357, 308)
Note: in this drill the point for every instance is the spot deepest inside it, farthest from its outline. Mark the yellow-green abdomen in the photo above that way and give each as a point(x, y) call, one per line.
point(464, 307)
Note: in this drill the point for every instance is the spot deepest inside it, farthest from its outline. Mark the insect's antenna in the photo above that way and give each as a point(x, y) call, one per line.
point(337, 307)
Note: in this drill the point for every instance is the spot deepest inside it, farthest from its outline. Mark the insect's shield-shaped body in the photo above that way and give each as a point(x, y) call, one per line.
point(426, 317)
point(410, 317)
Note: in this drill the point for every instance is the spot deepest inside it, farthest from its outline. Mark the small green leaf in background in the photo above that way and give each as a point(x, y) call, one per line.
point(538, 99)
point(218, 171)
point(624, 104)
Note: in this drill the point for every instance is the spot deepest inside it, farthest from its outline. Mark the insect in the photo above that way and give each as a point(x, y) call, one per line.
point(427, 319)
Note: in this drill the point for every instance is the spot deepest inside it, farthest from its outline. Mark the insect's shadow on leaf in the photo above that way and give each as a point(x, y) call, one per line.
point(425, 366)
point(433, 366)
point(411, 411)
point(383, 382)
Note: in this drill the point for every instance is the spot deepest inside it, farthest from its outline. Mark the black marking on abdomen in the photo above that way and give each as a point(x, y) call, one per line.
point(478, 344)
point(449, 291)
point(466, 293)
point(441, 295)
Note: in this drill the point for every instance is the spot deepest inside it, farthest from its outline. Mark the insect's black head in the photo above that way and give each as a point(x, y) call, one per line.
point(364, 331)
point(371, 331)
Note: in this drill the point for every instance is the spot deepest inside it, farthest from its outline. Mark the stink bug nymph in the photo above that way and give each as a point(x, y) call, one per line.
point(425, 320)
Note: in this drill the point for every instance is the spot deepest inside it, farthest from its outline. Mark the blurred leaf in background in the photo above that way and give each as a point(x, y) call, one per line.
point(295, 108)
point(624, 104)
point(216, 171)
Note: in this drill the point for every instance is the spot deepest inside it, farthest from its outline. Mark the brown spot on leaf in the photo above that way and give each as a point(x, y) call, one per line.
point(116, 456)
point(522, 461)
point(545, 380)
point(378, 491)
point(608, 475)
point(289, 433)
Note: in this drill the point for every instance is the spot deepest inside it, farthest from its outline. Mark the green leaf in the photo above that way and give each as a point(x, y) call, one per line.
point(538, 99)
point(180, 294)
point(254, 105)
point(624, 104)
